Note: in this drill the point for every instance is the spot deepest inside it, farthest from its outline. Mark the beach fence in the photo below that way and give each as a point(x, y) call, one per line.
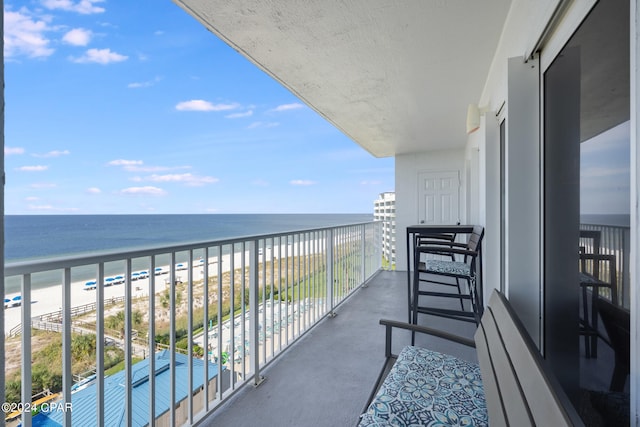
point(56, 327)
point(48, 321)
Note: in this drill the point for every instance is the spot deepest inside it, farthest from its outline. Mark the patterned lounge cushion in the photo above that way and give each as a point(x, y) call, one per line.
point(427, 388)
point(447, 267)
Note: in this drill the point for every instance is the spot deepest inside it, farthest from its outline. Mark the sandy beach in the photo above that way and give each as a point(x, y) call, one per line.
point(49, 299)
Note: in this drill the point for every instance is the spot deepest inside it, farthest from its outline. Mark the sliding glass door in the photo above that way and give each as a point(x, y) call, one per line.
point(586, 213)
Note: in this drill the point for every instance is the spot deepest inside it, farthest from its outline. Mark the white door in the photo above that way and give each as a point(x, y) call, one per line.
point(438, 196)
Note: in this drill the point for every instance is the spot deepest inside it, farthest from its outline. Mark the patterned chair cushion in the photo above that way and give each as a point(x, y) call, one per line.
point(427, 388)
point(446, 267)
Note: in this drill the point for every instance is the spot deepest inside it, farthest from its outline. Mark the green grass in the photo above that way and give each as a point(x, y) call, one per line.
point(120, 366)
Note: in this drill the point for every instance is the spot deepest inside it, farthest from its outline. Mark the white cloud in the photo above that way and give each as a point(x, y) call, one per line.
point(93, 190)
point(302, 182)
point(100, 56)
point(186, 178)
point(287, 107)
point(260, 183)
point(148, 83)
point(370, 182)
point(43, 185)
point(51, 208)
point(150, 169)
point(602, 172)
point(32, 199)
point(138, 166)
point(145, 191)
point(255, 125)
point(84, 7)
point(8, 151)
point(40, 207)
point(240, 115)
point(78, 37)
point(35, 168)
point(202, 105)
point(123, 162)
point(24, 35)
point(54, 153)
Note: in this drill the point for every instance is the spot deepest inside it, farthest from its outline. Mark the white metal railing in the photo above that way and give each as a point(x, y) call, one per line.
point(615, 241)
point(234, 303)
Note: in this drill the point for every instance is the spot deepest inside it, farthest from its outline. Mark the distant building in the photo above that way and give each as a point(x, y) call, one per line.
point(385, 210)
point(84, 401)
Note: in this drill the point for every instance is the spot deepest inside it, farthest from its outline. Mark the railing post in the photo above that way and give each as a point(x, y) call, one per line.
point(232, 302)
point(330, 246)
point(152, 341)
point(190, 335)
point(172, 339)
point(128, 347)
point(100, 345)
point(219, 390)
point(253, 312)
point(205, 322)
point(26, 347)
point(363, 251)
point(3, 394)
point(625, 268)
point(67, 377)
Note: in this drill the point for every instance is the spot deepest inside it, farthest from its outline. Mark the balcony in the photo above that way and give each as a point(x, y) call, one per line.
point(326, 379)
point(333, 343)
point(264, 293)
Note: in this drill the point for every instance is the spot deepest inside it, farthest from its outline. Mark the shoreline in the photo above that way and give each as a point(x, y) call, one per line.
point(48, 299)
point(45, 300)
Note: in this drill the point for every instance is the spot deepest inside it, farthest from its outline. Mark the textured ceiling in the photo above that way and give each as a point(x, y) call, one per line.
point(394, 76)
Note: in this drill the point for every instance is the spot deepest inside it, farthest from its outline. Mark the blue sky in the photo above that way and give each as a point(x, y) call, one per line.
point(112, 109)
point(605, 172)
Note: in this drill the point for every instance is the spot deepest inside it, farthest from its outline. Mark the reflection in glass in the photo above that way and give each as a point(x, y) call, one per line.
point(587, 206)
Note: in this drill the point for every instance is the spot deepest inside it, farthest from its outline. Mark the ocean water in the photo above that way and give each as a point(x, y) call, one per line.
point(30, 237)
point(616, 220)
point(40, 236)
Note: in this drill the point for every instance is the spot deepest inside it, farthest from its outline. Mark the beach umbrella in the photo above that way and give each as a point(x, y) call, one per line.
point(17, 300)
point(7, 301)
point(144, 274)
point(135, 276)
point(109, 281)
point(158, 270)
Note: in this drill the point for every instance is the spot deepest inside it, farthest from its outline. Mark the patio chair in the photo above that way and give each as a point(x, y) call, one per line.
point(617, 323)
point(467, 269)
point(592, 269)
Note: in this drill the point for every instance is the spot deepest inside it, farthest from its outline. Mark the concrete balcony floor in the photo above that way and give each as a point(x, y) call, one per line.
point(325, 379)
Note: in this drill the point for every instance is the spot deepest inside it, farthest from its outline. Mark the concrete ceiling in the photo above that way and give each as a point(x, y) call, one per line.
point(395, 76)
point(603, 46)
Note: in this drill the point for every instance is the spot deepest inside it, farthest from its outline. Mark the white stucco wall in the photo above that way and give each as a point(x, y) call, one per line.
point(407, 167)
point(523, 29)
